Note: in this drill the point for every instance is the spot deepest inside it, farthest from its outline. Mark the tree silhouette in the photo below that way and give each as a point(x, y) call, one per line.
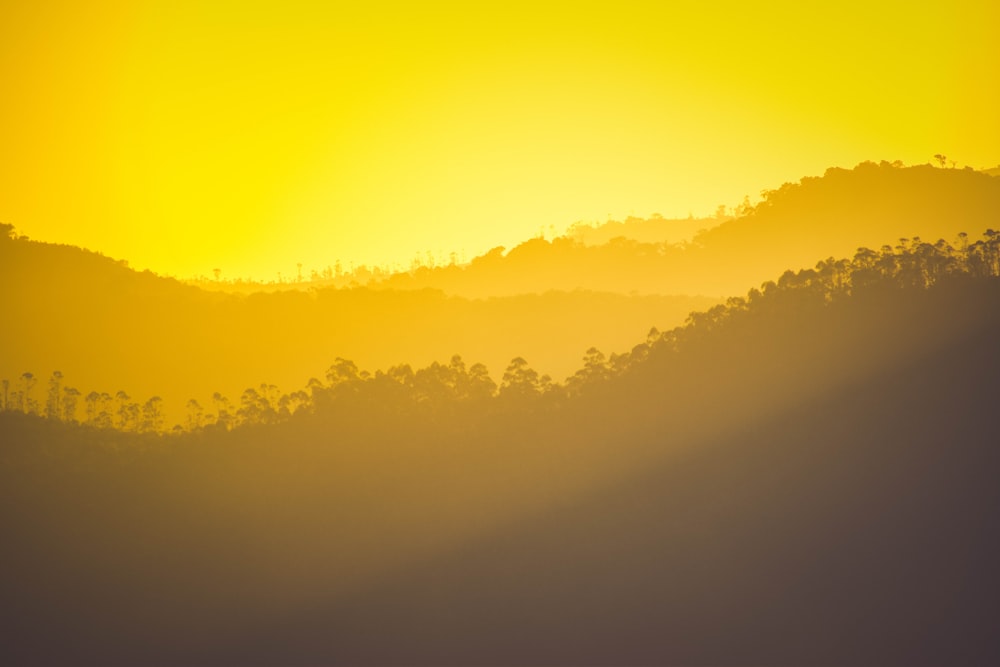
point(595, 370)
point(520, 383)
point(92, 399)
point(105, 415)
point(441, 392)
point(196, 415)
point(225, 416)
point(52, 401)
point(27, 384)
point(122, 410)
point(69, 400)
point(152, 415)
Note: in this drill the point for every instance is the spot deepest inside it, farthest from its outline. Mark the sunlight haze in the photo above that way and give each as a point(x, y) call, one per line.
point(252, 136)
point(499, 333)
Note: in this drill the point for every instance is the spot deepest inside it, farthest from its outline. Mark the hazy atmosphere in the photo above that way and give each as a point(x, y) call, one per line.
point(499, 335)
point(254, 136)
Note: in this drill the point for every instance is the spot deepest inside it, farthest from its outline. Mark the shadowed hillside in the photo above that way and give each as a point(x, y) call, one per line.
point(807, 473)
point(856, 528)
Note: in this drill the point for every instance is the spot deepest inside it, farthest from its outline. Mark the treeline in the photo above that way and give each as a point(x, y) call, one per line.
point(100, 409)
point(442, 390)
point(108, 327)
point(653, 230)
point(833, 213)
point(767, 467)
point(792, 225)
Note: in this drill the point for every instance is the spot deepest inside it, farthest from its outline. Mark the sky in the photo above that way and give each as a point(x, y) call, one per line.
point(251, 137)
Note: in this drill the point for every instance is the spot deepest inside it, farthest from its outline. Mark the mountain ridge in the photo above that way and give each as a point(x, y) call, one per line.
point(703, 489)
point(541, 309)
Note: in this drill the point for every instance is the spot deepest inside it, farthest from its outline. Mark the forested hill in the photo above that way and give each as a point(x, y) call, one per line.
point(812, 469)
point(655, 229)
point(834, 215)
point(793, 227)
point(109, 329)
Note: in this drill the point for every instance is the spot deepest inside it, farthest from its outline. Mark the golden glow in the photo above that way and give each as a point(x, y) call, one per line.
point(250, 136)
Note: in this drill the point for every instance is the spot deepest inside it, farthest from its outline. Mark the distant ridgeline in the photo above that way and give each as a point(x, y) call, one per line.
point(826, 216)
point(804, 474)
point(115, 333)
point(446, 392)
point(655, 229)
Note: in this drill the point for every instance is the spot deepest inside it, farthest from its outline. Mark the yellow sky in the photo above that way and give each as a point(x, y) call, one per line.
point(250, 136)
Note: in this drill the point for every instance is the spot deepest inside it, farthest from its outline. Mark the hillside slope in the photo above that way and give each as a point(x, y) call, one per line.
point(858, 528)
point(802, 482)
point(108, 328)
point(794, 226)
